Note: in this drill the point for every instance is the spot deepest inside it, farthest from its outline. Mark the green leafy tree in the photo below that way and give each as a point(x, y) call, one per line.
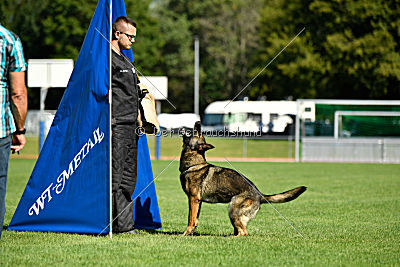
point(177, 53)
point(65, 24)
point(24, 18)
point(48, 29)
point(350, 49)
point(228, 34)
point(149, 42)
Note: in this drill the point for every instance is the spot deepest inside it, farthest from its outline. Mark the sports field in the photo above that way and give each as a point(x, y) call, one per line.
point(229, 147)
point(171, 147)
point(349, 215)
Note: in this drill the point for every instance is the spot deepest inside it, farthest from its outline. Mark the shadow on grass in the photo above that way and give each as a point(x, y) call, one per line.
point(151, 232)
point(176, 233)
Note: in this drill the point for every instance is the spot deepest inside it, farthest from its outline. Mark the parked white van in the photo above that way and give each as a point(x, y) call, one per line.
point(272, 117)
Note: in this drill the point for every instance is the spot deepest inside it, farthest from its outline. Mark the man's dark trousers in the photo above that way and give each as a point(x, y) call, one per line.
point(124, 173)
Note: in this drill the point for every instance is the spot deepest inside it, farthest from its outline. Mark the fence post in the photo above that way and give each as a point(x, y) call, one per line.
point(158, 146)
point(297, 133)
point(43, 93)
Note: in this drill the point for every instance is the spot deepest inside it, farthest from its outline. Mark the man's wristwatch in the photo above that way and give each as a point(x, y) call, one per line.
point(20, 131)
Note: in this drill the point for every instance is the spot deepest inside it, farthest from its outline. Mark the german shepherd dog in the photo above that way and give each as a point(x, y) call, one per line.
point(204, 182)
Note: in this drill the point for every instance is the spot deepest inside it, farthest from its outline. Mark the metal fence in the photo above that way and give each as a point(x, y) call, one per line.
point(325, 140)
point(373, 150)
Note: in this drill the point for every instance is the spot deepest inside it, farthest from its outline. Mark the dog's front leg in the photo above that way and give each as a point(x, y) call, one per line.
point(194, 209)
point(198, 215)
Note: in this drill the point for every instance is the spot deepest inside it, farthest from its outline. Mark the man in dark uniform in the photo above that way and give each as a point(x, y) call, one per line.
point(124, 123)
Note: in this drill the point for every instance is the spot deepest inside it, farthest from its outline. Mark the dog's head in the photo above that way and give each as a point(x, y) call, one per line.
point(194, 140)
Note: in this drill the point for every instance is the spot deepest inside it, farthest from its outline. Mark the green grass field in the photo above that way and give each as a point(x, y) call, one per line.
point(171, 147)
point(349, 216)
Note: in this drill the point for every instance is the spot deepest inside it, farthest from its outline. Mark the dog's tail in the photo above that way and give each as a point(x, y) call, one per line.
point(285, 196)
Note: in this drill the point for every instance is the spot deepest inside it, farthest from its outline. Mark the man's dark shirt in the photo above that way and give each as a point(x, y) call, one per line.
point(124, 91)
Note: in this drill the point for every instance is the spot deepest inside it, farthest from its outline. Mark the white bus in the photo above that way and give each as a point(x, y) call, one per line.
point(273, 117)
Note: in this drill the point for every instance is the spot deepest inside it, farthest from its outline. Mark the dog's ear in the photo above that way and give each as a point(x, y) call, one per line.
point(205, 147)
point(197, 128)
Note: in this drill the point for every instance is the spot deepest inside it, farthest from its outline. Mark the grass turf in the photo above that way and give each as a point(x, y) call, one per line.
point(349, 216)
point(225, 147)
point(229, 147)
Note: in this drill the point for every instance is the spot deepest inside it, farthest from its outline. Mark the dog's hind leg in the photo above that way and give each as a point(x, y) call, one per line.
point(194, 213)
point(241, 211)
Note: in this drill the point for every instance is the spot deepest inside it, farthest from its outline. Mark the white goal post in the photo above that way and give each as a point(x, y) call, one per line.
point(298, 149)
point(340, 113)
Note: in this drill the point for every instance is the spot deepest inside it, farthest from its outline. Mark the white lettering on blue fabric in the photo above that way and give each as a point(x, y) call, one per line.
point(66, 174)
point(40, 201)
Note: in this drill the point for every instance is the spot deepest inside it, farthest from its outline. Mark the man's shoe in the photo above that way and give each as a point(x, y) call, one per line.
point(132, 232)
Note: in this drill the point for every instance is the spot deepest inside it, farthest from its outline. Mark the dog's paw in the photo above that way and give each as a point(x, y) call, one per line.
point(188, 232)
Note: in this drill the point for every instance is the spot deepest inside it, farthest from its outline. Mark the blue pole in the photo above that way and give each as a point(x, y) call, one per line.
point(158, 146)
point(41, 135)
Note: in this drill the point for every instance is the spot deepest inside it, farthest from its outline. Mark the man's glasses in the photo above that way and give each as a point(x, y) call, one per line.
point(130, 37)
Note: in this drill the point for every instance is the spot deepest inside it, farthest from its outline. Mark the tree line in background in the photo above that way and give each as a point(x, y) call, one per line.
point(348, 50)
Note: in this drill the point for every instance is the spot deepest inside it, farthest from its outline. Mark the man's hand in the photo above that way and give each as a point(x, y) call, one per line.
point(18, 142)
